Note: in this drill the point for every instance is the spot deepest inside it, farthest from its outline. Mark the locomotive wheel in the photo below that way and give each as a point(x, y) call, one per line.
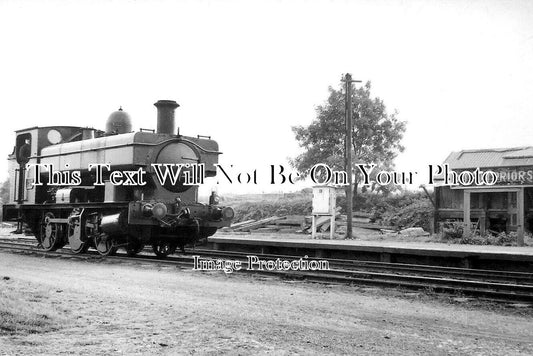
point(104, 245)
point(50, 234)
point(162, 248)
point(77, 245)
point(134, 248)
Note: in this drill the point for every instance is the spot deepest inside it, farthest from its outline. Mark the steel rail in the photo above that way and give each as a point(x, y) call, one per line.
point(490, 290)
point(481, 274)
point(396, 268)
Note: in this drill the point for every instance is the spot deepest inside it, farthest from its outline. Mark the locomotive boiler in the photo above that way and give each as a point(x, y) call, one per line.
point(55, 194)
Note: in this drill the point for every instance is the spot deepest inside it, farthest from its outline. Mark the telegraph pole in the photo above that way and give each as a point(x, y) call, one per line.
point(348, 149)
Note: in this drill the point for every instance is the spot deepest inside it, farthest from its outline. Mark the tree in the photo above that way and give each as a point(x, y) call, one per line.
point(376, 134)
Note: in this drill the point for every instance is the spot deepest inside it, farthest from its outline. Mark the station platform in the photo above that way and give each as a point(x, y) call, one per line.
point(507, 258)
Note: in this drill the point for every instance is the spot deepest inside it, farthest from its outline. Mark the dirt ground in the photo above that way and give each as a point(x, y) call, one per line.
point(103, 307)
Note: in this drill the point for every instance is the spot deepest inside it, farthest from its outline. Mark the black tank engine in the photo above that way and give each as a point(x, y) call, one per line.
point(103, 214)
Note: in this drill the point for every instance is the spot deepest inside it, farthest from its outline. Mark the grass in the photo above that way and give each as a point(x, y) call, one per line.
point(25, 311)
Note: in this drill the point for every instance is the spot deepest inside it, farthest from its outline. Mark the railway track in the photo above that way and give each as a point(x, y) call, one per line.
point(488, 284)
point(395, 268)
point(91, 254)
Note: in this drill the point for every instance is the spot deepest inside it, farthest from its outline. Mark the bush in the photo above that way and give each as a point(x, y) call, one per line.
point(452, 230)
point(504, 239)
point(247, 210)
point(406, 209)
point(454, 235)
point(473, 240)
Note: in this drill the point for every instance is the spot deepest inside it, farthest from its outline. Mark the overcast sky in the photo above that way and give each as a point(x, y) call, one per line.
point(459, 72)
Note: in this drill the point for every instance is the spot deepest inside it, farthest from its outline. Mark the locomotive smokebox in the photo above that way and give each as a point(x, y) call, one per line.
point(165, 116)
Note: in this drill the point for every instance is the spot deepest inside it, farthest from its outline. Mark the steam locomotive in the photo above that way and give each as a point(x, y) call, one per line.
point(96, 212)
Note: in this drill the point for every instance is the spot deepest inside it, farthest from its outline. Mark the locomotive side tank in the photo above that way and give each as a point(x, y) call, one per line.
point(99, 212)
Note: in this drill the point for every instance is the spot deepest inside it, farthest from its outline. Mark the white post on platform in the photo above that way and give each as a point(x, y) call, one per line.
point(466, 213)
point(520, 216)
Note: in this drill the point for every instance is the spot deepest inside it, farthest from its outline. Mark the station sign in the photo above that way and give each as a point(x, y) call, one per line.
point(514, 175)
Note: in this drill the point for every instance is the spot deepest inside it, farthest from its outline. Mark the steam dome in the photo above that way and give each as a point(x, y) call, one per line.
point(119, 122)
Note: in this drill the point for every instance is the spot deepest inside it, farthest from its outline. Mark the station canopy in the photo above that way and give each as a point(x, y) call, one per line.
point(491, 158)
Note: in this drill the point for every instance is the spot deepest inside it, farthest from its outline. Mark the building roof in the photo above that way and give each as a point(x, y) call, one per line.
point(491, 158)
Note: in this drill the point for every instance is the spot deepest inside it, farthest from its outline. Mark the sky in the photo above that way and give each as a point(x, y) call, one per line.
point(460, 73)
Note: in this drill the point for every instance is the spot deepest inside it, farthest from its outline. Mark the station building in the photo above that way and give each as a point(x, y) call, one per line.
point(505, 206)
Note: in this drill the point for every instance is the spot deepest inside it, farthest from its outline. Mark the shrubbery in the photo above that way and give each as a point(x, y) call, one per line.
point(453, 232)
point(406, 209)
point(502, 239)
point(246, 210)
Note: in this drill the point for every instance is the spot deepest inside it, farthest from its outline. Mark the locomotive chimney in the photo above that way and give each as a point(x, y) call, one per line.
point(165, 116)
